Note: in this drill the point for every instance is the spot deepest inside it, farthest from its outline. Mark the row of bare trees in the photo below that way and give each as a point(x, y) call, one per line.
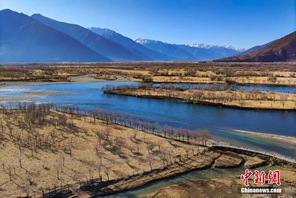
point(30, 141)
point(165, 131)
point(198, 95)
point(33, 115)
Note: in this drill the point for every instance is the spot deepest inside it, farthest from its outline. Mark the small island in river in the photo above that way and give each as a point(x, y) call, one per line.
point(49, 150)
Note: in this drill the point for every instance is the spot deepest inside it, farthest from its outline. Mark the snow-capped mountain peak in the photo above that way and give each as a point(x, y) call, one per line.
point(196, 45)
point(144, 41)
point(209, 46)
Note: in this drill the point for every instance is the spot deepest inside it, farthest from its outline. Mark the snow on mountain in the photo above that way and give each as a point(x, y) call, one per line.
point(200, 45)
point(209, 46)
point(189, 52)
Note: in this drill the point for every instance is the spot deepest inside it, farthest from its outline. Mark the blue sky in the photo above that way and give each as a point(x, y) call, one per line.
point(240, 23)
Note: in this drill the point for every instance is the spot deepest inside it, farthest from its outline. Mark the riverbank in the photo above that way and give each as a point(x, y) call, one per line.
point(71, 79)
point(289, 139)
point(73, 148)
point(227, 160)
point(233, 99)
point(215, 187)
point(223, 183)
point(91, 157)
point(271, 74)
point(96, 78)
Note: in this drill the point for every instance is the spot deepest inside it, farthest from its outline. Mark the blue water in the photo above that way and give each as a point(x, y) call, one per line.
point(184, 178)
point(219, 121)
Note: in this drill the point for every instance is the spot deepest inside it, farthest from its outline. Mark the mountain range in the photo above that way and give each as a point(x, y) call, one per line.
point(189, 52)
point(37, 38)
point(136, 48)
point(281, 50)
point(24, 39)
point(94, 41)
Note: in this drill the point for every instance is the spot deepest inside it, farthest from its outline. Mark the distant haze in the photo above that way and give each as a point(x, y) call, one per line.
point(38, 38)
point(238, 23)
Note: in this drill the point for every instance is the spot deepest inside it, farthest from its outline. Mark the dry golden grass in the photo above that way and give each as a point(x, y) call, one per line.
point(126, 152)
point(181, 79)
point(264, 80)
point(126, 72)
point(254, 162)
point(82, 149)
point(228, 159)
point(227, 98)
point(205, 72)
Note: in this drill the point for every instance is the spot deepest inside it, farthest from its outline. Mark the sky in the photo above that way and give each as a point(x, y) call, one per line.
point(239, 23)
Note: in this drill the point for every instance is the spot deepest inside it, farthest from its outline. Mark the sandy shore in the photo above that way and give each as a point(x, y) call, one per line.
point(289, 139)
point(42, 92)
point(85, 78)
point(14, 98)
point(73, 79)
point(24, 83)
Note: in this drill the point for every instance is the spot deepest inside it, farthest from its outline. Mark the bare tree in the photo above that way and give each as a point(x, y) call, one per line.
point(150, 159)
point(100, 153)
point(107, 133)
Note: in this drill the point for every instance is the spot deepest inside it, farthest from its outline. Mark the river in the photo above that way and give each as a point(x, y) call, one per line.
point(221, 122)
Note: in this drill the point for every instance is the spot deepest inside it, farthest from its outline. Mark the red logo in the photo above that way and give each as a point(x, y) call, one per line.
point(273, 177)
point(259, 177)
point(246, 176)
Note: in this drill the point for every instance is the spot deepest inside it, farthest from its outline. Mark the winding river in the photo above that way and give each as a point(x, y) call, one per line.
point(223, 123)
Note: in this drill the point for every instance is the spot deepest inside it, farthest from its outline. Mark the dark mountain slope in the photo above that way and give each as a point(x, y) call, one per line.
point(23, 39)
point(254, 49)
point(133, 46)
point(90, 39)
point(283, 49)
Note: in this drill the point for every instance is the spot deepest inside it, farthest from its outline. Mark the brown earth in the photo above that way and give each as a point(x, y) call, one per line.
point(278, 101)
point(176, 72)
point(60, 149)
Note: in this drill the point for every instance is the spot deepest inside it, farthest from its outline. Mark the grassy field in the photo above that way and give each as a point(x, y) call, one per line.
point(44, 151)
point(175, 72)
point(253, 99)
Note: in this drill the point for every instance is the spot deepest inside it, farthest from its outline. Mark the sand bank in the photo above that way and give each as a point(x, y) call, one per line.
point(73, 79)
point(290, 139)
